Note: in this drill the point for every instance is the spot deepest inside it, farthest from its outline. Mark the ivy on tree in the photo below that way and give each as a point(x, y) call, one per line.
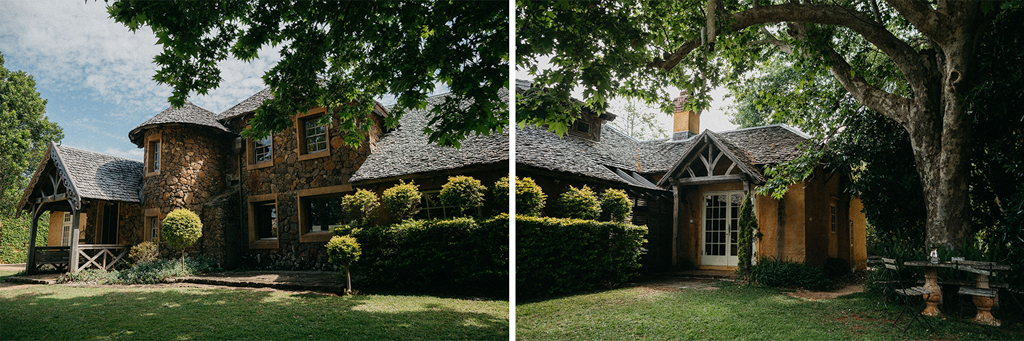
point(341, 55)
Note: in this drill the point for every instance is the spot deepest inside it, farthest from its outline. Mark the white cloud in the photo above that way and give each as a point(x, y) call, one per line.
point(134, 154)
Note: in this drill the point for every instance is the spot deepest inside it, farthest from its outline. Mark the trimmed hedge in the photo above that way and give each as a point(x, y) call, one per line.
point(579, 203)
point(14, 236)
point(556, 256)
point(458, 256)
point(530, 197)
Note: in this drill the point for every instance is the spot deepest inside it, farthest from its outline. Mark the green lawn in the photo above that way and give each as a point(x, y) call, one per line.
point(78, 313)
point(730, 312)
point(5, 274)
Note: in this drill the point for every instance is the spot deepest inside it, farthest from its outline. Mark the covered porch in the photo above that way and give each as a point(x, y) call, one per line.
point(82, 190)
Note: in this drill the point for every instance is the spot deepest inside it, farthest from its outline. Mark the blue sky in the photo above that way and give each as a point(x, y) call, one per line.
point(97, 75)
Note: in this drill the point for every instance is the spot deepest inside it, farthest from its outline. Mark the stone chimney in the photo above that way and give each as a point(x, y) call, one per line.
point(686, 123)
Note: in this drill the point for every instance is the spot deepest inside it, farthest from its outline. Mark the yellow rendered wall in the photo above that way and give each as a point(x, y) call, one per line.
point(788, 242)
point(686, 120)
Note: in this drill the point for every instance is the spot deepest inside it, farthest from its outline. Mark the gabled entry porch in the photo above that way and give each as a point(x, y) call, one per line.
point(82, 190)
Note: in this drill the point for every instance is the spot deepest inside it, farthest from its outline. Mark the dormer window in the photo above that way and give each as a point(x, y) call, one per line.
point(582, 127)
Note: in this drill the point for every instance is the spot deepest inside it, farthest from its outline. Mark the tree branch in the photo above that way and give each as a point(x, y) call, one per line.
point(925, 19)
point(892, 106)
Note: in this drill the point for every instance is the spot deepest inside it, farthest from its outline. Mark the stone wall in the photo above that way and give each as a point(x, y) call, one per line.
point(282, 179)
point(130, 224)
point(191, 173)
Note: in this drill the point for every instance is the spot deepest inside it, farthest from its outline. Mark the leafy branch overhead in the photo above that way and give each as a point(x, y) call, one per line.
point(341, 55)
point(913, 62)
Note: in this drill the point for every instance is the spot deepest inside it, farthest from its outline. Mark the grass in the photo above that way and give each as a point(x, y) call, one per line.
point(5, 274)
point(163, 313)
point(730, 312)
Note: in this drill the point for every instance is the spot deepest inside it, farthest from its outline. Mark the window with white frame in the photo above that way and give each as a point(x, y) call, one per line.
point(315, 135)
point(154, 229)
point(833, 217)
point(65, 237)
point(262, 150)
point(154, 156)
point(431, 207)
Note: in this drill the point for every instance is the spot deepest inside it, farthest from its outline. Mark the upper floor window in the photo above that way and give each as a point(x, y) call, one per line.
point(313, 137)
point(154, 156)
point(316, 136)
point(262, 150)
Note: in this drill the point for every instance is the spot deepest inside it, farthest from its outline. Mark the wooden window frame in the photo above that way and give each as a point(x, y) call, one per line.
point(254, 241)
point(251, 154)
point(833, 218)
point(147, 229)
point(302, 198)
point(300, 134)
point(153, 166)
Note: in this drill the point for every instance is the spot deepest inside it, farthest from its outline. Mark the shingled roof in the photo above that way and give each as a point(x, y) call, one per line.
point(248, 105)
point(406, 150)
point(89, 175)
point(618, 153)
point(188, 113)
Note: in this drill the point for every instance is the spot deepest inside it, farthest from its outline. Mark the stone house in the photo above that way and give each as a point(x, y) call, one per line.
point(266, 203)
point(688, 188)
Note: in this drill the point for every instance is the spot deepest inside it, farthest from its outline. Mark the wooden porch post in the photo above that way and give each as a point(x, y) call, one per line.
point(30, 263)
point(675, 221)
point(73, 253)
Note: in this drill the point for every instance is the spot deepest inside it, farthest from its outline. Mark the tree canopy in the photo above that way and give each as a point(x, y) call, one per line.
point(341, 55)
point(24, 133)
point(911, 62)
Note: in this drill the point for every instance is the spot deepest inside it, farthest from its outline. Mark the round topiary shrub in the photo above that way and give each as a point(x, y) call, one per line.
point(530, 198)
point(402, 200)
point(500, 194)
point(143, 252)
point(360, 206)
point(462, 191)
point(181, 228)
point(579, 203)
point(343, 251)
point(616, 203)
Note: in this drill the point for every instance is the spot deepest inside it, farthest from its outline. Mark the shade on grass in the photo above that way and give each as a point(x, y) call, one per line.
point(729, 312)
point(64, 312)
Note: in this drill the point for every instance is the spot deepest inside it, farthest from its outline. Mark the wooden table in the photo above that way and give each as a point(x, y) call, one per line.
point(931, 283)
point(981, 271)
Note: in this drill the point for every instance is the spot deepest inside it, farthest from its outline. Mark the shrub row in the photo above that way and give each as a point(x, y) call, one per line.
point(557, 256)
point(460, 256)
point(151, 272)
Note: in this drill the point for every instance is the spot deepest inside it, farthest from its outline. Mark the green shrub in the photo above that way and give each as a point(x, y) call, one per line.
point(558, 256)
point(157, 271)
point(343, 230)
point(343, 251)
point(455, 256)
point(14, 236)
point(180, 229)
point(402, 200)
point(360, 206)
point(616, 204)
point(789, 274)
point(143, 252)
point(463, 192)
point(748, 227)
point(499, 196)
point(579, 203)
point(530, 198)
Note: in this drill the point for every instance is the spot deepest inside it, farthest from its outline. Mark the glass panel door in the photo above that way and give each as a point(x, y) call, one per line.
point(721, 228)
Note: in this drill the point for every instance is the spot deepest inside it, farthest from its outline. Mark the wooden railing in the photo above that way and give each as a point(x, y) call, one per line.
point(53, 255)
point(103, 256)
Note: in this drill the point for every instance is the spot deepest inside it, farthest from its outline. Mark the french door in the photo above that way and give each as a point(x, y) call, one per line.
point(720, 228)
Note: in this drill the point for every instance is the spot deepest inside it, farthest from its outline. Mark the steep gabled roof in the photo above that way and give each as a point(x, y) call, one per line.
point(246, 106)
point(710, 155)
point(406, 151)
point(86, 174)
point(188, 113)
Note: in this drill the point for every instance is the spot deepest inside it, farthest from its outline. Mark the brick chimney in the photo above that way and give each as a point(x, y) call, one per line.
point(685, 123)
